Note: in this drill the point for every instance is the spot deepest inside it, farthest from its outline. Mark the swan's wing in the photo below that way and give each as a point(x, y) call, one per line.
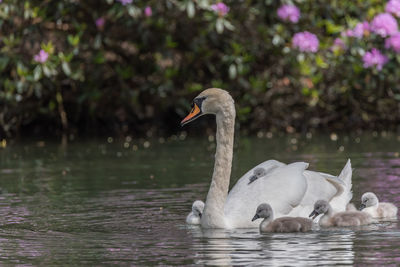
point(283, 188)
point(334, 189)
point(340, 200)
point(320, 186)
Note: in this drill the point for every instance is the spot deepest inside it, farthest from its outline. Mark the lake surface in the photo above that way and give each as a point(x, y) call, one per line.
point(106, 202)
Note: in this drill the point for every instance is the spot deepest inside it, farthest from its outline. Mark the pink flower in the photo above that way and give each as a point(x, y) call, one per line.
point(384, 25)
point(41, 57)
point(148, 11)
point(374, 58)
point(393, 42)
point(289, 13)
point(359, 30)
point(305, 42)
point(393, 6)
point(338, 44)
point(220, 8)
point(100, 23)
point(125, 2)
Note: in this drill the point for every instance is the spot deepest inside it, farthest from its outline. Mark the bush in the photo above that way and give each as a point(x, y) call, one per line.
point(130, 67)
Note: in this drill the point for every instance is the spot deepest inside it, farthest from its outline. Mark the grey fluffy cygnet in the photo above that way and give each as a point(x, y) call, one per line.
point(257, 173)
point(345, 218)
point(280, 225)
point(194, 216)
point(380, 210)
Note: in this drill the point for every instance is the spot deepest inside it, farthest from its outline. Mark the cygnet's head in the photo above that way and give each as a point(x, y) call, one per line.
point(368, 199)
point(320, 207)
point(198, 207)
point(210, 101)
point(258, 172)
point(264, 210)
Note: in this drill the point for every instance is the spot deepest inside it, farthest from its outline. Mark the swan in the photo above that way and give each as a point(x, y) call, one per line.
point(381, 210)
point(257, 173)
point(280, 225)
point(195, 215)
point(345, 218)
point(290, 189)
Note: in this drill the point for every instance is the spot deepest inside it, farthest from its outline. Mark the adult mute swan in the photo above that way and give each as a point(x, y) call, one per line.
point(280, 225)
point(345, 218)
point(380, 210)
point(290, 189)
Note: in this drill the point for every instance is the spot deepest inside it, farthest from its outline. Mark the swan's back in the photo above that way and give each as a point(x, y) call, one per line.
point(350, 218)
point(386, 210)
point(283, 188)
point(288, 225)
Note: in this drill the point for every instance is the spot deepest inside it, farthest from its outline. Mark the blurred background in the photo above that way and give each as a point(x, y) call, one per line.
point(131, 68)
point(314, 81)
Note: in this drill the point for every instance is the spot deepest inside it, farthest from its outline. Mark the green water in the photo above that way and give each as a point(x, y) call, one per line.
point(100, 203)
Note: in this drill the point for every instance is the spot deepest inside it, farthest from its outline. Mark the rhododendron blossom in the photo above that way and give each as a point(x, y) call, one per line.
point(393, 6)
point(289, 13)
point(41, 57)
point(393, 42)
point(220, 8)
point(305, 42)
point(148, 12)
point(384, 25)
point(374, 58)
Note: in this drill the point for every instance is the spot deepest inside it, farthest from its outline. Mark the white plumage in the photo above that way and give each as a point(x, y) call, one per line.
point(290, 189)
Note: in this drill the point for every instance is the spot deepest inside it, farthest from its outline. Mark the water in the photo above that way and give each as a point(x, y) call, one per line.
point(100, 203)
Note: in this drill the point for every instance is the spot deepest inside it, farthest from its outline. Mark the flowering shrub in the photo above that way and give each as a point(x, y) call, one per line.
point(131, 67)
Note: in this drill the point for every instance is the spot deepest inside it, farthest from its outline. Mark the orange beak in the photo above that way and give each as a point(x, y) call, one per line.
point(194, 113)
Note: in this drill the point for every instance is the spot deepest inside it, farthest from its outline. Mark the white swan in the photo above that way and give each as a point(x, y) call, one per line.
point(380, 210)
point(290, 189)
point(345, 218)
point(280, 225)
point(194, 216)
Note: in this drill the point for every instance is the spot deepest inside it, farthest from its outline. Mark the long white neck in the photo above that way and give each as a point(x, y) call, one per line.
point(213, 215)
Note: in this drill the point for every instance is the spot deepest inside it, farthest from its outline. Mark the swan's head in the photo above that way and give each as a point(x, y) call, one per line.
point(198, 207)
point(210, 101)
point(263, 211)
point(368, 199)
point(320, 207)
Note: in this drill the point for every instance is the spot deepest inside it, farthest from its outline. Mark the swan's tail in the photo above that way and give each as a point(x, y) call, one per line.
point(340, 202)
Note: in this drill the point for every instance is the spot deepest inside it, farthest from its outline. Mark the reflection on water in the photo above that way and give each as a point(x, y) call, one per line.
point(99, 204)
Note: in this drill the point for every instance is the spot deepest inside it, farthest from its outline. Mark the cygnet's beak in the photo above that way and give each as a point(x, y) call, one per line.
point(314, 214)
point(362, 206)
point(255, 217)
point(252, 179)
point(194, 114)
point(200, 214)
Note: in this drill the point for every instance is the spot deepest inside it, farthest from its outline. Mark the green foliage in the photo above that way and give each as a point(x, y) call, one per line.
point(129, 74)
